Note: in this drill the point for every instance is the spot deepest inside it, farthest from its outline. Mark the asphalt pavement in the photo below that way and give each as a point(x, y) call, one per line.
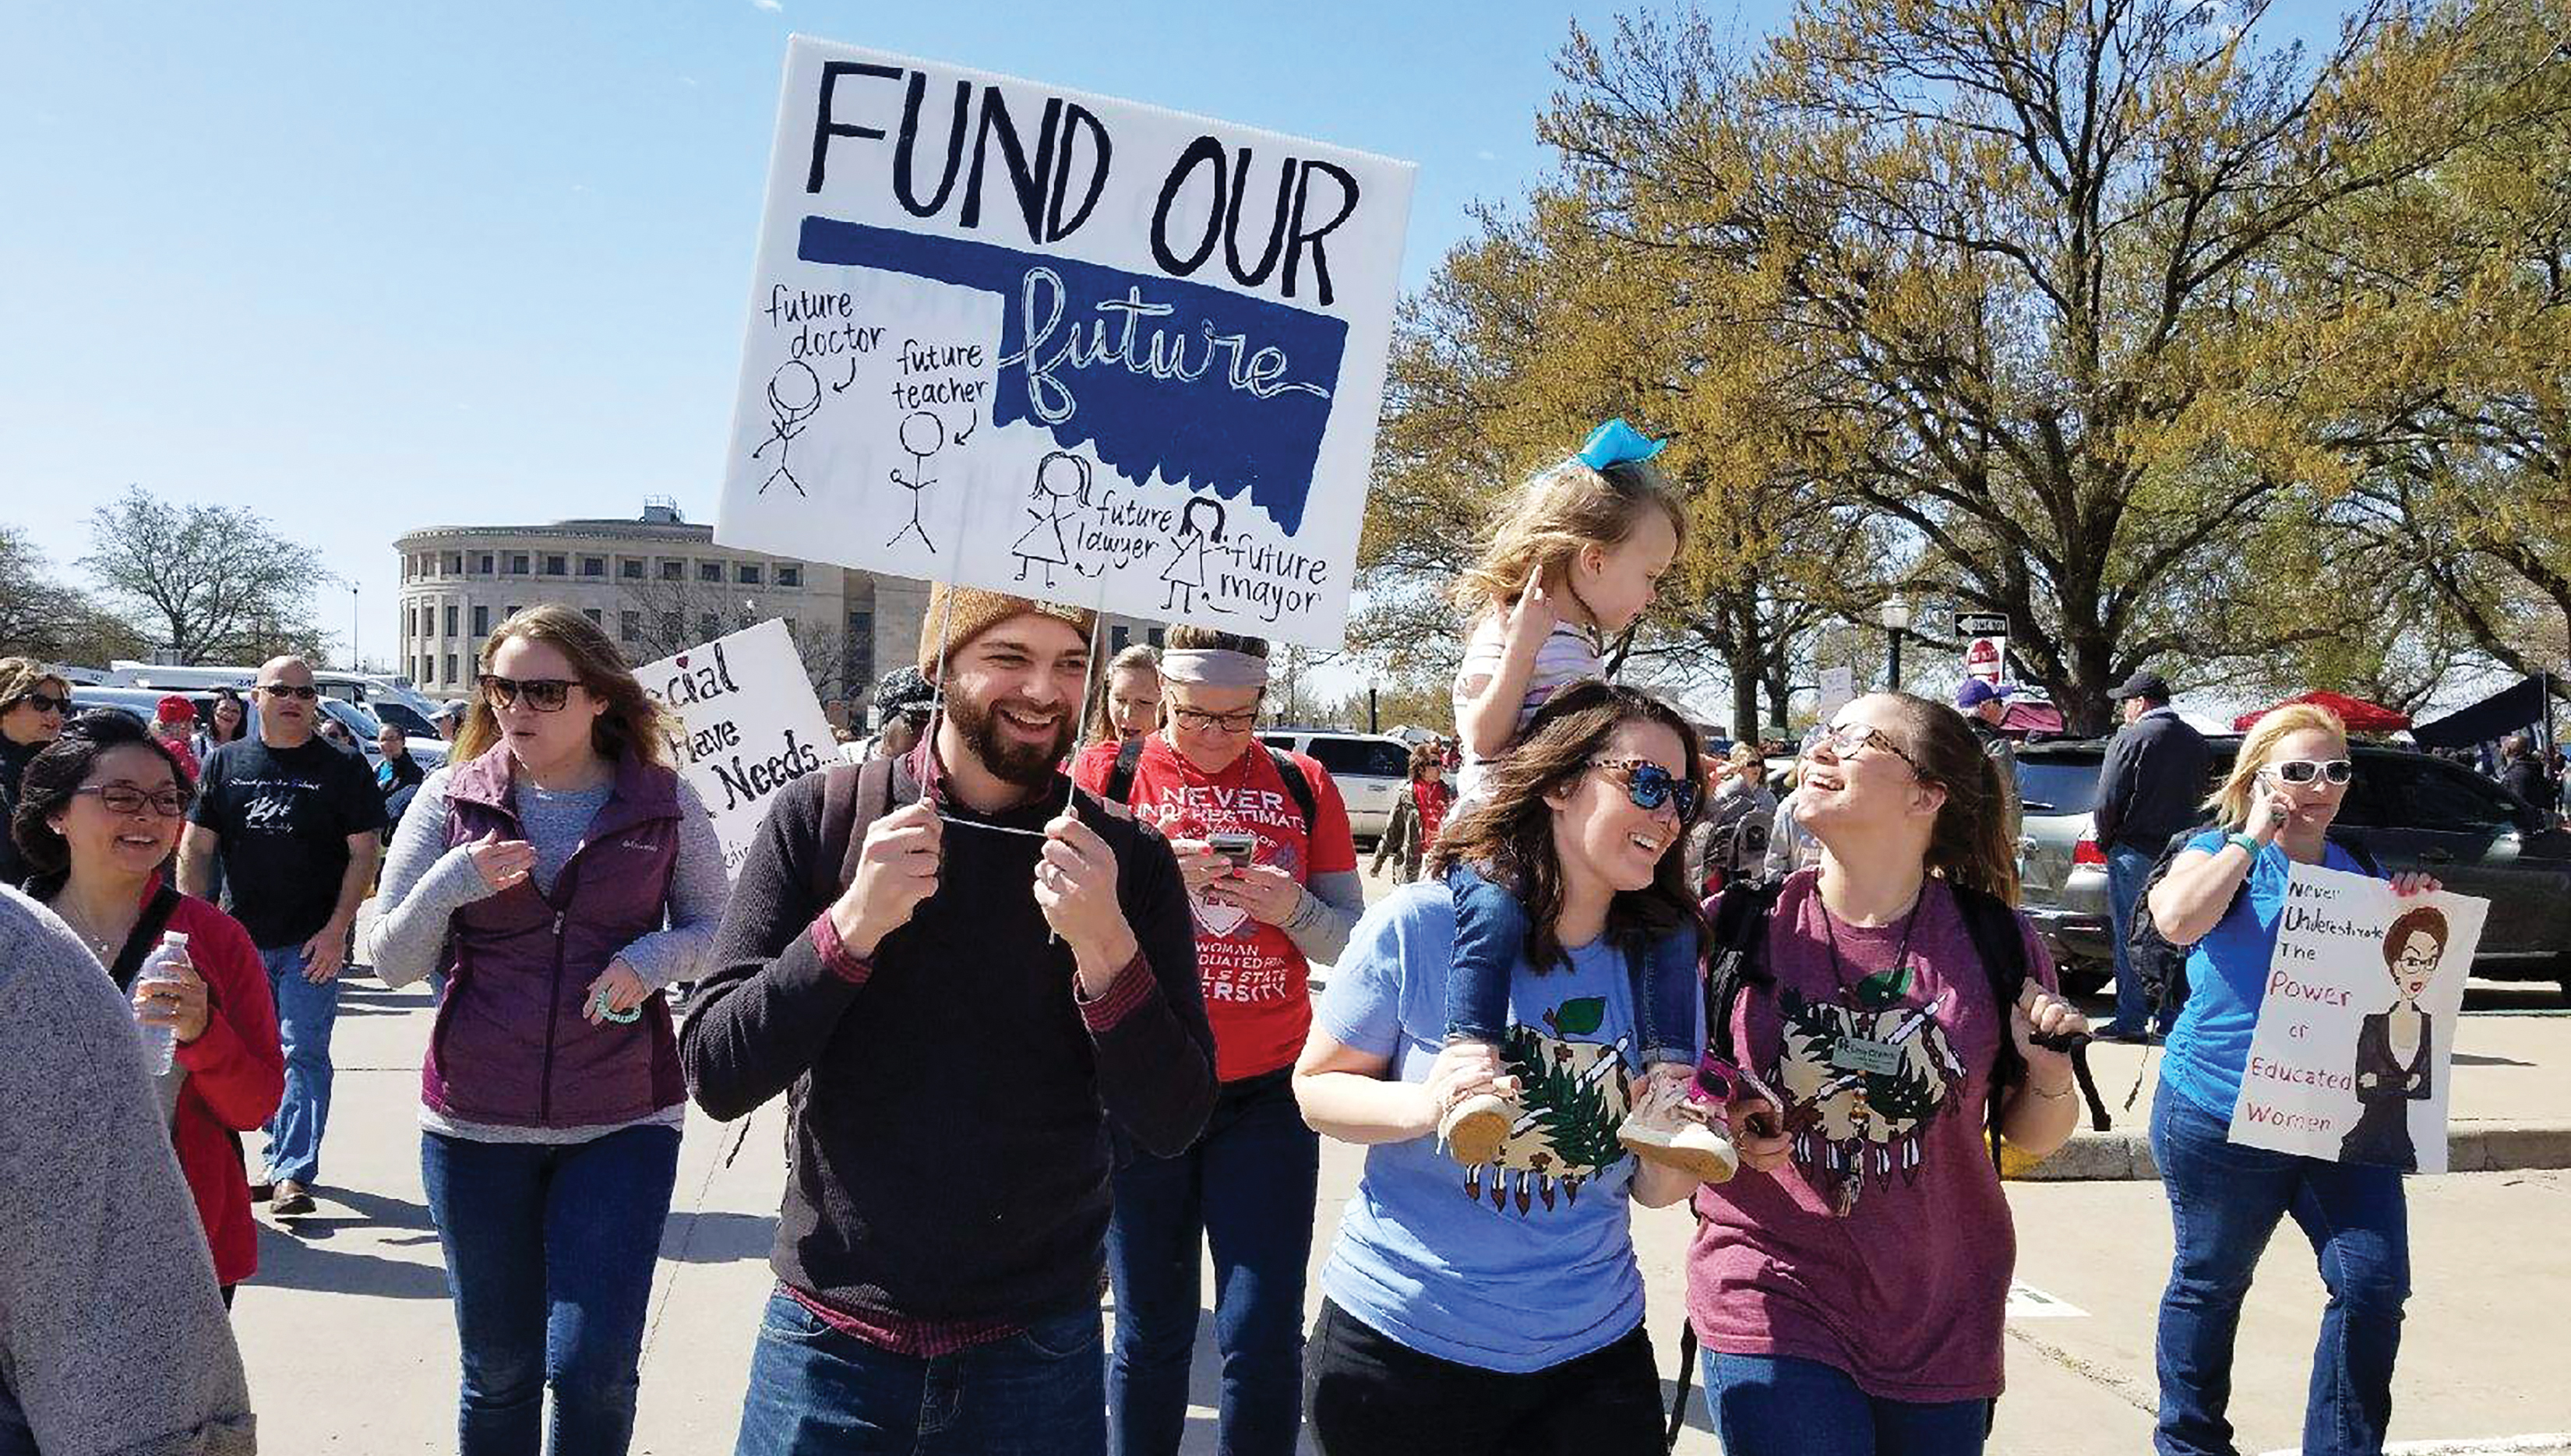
point(350, 1343)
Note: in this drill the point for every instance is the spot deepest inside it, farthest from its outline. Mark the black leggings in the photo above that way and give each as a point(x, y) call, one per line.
point(1367, 1392)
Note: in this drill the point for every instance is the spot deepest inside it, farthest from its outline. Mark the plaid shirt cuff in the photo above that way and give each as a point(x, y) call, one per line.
point(1123, 994)
point(844, 963)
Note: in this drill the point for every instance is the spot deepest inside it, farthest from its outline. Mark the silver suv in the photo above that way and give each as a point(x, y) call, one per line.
point(1371, 770)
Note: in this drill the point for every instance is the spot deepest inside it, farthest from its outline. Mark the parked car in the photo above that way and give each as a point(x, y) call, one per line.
point(2410, 810)
point(1371, 771)
point(145, 702)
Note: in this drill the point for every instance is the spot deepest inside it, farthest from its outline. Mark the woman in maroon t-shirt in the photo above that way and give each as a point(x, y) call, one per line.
point(1851, 1301)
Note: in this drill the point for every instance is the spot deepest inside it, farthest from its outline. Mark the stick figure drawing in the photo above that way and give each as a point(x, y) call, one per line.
point(1061, 476)
point(1186, 572)
point(922, 434)
point(794, 397)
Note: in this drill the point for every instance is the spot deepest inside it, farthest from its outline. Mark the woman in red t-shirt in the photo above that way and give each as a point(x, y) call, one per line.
point(1275, 886)
point(1417, 816)
point(98, 815)
point(1853, 1301)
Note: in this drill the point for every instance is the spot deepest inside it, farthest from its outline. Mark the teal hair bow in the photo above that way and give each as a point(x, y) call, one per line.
point(1618, 444)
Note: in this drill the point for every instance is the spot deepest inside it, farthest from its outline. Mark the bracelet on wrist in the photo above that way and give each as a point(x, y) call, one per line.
point(2050, 1096)
point(2246, 841)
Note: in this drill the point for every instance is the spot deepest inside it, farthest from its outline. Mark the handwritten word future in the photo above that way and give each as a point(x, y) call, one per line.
point(1115, 339)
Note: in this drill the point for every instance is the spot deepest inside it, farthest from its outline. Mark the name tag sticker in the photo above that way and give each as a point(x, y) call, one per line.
point(1862, 1053)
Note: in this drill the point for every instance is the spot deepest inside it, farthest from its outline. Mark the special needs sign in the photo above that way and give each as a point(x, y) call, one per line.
point(2353, 1055)
point(1063, 345)
point(749, 724)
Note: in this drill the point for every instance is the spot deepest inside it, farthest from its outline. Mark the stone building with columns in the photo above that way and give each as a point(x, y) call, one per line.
point(657, 584)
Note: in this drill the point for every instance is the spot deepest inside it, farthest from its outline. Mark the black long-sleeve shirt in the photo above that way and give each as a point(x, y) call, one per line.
point(2155, 778)
point(948, 1124)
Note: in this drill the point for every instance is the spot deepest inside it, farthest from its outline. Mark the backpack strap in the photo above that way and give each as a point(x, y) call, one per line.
point(2000, 943)
point(1297, 785)
point(145, 935)
point(1119, 788)
point(1735, 958)
point(853, 795)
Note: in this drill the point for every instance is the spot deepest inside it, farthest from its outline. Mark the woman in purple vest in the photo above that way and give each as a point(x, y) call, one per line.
point(560, 875)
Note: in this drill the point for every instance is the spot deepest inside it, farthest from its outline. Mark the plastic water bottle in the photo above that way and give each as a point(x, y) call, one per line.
point(161, 1040)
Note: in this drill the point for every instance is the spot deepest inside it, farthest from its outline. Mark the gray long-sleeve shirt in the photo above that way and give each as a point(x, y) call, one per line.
point(112, 1336)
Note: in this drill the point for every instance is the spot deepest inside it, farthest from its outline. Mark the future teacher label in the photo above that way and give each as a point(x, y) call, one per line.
point(1063, 345)
point(2350, 1059)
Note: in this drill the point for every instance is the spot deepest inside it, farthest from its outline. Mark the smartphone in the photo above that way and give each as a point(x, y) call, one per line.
point(1235, 845)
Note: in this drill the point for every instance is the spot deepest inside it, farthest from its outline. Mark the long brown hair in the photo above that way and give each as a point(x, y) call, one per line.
point(632, 722)
point(1143, 656)
point(1971, 843)
point(1507, 833)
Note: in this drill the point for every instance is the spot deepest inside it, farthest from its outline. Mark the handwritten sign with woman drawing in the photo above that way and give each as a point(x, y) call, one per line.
point(1050, 343)
point(2353, 1057)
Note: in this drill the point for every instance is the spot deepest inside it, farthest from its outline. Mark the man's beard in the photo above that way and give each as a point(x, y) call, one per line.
point(1028, 765)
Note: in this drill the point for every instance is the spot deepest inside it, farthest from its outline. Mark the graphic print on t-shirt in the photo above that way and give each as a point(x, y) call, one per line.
point(1576, 1094)
point(1862, 1078)
point(1228, 957)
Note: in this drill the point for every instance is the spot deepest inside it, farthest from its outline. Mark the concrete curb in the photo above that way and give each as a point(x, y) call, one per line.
point(2122, 1156)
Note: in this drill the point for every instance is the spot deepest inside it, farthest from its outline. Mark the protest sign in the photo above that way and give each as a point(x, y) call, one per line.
point(1838, 690)
point(2356, 1023)
point(1072, 347)
point(749, 724)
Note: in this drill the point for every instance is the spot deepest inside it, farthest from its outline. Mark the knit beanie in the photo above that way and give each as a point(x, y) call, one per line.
point(960, 614)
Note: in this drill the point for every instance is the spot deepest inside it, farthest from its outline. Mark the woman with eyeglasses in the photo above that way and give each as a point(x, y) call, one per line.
point(561, 875)
point(99, 813)
point(1500, 1307)
point(1851, 1301)
point(32, 704)
point(2224, 894)
point(1262, 842)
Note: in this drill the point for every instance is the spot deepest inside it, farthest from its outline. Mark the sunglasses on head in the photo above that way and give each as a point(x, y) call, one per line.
point(544, 694)
point(46, 703)
point(301, 694)
point(2304, 770)
point(1650, 785)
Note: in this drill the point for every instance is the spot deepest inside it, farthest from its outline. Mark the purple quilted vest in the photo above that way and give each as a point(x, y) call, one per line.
point(511, 1045)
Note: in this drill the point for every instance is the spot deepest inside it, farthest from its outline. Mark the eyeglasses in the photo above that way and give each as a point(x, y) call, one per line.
point(1650, 785)
point(125, 798)
point(46, 703)
point(1231, 723)
point(544, 694)
point(2304, 770)
point(1848, 739)
point(301, 694)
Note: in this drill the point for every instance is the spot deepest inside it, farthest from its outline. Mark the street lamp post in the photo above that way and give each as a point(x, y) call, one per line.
point(1896, 615)
point(354, 659)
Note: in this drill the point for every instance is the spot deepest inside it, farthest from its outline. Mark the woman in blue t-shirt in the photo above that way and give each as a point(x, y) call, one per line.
point(1498, 1306)
point(2224, 894)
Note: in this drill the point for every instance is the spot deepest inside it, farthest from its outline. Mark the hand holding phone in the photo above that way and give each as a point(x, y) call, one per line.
point(1235, 845)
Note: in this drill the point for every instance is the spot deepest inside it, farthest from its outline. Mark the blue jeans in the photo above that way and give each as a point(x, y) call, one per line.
point(2127, 870)
point(1491, 939)
point(1763, 1405)
point(305, 1013)
point(2224, 1201)
point(549, 1252)
point(1248, 1187)
point(815, 1391)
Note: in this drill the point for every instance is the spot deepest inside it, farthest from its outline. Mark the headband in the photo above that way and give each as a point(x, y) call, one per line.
point(1214, 668)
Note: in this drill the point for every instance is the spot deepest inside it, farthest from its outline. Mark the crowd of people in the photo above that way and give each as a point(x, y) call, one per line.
point(1041, 1015)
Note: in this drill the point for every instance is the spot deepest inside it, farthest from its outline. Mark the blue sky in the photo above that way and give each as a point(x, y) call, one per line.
point(364, 268)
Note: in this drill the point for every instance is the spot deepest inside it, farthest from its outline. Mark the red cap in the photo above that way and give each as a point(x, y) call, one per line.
point(175, 709)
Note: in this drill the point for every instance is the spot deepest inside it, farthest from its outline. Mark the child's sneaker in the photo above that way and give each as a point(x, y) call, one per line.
point(1673, 1124)
point(1475, 1128)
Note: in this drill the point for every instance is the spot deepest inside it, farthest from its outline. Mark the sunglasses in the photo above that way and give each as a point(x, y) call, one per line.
point(2304, 770)
point(46, 703)
point(1650, 785)
point(287, 690)
point(1848, 739)
point(125, 798)
point(544, 694)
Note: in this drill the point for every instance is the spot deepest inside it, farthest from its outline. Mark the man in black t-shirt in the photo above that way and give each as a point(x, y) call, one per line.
point(294, 821)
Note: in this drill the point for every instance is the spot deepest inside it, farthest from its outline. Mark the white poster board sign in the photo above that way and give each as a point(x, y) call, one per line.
point(1838, 690)
point(2353, 1057)
point(749, 725)
point(1063, 345)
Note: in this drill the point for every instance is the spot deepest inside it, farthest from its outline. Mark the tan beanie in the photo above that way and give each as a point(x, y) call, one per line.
point(975, 611)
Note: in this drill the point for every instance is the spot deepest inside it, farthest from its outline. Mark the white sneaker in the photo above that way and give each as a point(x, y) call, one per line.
point(1672, 1124)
